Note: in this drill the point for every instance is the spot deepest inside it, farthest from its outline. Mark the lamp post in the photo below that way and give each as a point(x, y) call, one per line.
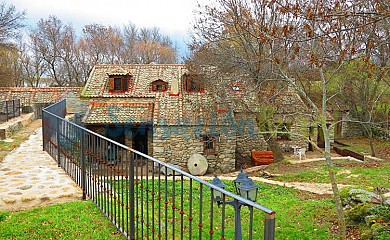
point(246, 188)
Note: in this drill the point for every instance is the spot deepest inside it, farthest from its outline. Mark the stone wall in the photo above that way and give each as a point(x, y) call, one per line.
point(248, 138)
point(351, 128)
point(15, 124)
point(176, 144)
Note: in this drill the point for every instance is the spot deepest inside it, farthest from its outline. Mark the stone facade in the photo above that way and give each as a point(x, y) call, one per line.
point(350, 128)
point(182, 119)
point(176, 144)
point(248, 138)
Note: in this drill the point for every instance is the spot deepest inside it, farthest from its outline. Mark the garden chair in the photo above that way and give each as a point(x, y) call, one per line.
point(302, 153)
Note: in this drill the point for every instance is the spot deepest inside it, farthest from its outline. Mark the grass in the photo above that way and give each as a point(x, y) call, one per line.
point(361, 174)
point(361, 145)
point(75, 220)
point(299, 215)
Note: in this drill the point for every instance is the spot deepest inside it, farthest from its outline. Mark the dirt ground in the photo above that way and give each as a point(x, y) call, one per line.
point(381, 147)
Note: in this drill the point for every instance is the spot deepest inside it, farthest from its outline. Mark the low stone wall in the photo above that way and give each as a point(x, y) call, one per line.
point(14, 125)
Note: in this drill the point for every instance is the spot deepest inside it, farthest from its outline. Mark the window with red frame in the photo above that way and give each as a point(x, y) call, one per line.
point(159, 86)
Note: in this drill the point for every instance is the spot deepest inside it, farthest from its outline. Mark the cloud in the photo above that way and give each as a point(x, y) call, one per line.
point(170, 16)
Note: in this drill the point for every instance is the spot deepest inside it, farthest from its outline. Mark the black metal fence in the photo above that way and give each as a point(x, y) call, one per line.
point(130, 188)
point(9, 109)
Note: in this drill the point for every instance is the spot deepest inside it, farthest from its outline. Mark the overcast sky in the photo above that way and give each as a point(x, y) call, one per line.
point(172, 17)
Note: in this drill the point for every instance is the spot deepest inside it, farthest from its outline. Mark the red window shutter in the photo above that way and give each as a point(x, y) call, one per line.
point(188, 85)
point(111, 84)
point(154, 87)
point(125, 85)
point(164, 87)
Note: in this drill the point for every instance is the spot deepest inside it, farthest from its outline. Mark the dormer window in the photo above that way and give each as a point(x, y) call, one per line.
point(159, 86)
point(119, 83)
point(190, 85)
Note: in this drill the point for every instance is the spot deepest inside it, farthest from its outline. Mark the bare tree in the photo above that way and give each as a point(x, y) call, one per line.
point(32, 65)
point(130, 38)
point(153, 47)
point(48, 36)
point(10, 22)
point(265, 40)
point(9, 67)
point(57, 52)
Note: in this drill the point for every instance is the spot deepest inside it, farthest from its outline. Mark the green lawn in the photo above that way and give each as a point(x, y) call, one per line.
point(75, 220)
point(360, 174)
point(299, 215)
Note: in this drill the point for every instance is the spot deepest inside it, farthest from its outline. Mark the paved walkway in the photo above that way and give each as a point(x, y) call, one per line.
point(317, 188)
point(29, 177)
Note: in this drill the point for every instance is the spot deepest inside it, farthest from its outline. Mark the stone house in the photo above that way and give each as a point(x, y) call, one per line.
point(159, 110)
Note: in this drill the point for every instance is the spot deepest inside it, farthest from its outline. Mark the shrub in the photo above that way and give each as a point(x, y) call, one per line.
point(359, 212)
point(382, 211)
point(3, 216)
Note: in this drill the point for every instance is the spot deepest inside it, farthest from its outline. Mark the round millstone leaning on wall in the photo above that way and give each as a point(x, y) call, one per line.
point(197, 165)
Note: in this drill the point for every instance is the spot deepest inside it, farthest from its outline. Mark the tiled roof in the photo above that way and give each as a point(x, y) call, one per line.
point(119, 112)
point(118, 71)
point(30, 95)
point(168, 108)
point(142, 77)
point(175, 106)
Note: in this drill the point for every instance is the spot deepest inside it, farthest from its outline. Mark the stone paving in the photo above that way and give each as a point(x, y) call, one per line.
point(29, 177)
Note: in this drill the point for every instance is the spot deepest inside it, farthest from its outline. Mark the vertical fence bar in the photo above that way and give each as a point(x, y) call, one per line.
point(58, 140)
point(182, 207)
point(269, 226)
point(13, 108)
point(159, 202)
point(200, 224)
point(223, 216)
point(147, 197)
point(190, 217)
point(44, 126)
point(6, 110)
point(211, 231)
point(250, 223)
point(132, 201)
point(166, 203)
point(83, 166)
point(173, 205)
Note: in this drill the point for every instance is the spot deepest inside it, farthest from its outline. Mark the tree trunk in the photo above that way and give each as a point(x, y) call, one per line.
point(342, 230)
point(275, 148)
point(370, 140)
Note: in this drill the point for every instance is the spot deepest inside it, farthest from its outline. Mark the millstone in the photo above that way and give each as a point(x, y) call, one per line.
point(197, 164)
